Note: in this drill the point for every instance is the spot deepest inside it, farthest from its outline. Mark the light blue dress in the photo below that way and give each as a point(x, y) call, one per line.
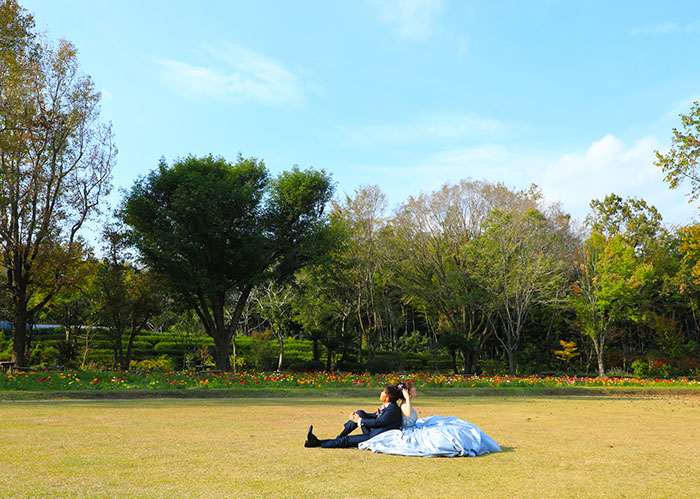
point(434, 436)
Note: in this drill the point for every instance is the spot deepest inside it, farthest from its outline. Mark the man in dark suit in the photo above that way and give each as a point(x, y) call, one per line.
point(389, 417)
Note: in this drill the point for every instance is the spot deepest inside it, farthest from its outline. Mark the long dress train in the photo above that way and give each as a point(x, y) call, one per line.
point(433, 436)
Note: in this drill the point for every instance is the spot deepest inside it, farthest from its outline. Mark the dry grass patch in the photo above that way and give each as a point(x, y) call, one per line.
point(557, 447)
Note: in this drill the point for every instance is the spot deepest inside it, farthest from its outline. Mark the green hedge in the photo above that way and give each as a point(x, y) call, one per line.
point(251, 353)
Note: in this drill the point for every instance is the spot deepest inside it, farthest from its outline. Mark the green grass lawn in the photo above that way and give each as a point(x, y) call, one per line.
point(638, 446)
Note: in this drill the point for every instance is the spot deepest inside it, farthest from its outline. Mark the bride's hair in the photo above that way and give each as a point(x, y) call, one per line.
point(404, 385)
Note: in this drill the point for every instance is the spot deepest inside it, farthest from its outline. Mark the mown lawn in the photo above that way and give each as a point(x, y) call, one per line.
point(636, 446)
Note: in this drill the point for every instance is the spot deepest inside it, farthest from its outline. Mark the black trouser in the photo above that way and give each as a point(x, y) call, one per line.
point(347, 441)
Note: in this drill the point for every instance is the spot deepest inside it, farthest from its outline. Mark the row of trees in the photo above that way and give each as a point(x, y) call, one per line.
point(481, 269)
point(475, 268)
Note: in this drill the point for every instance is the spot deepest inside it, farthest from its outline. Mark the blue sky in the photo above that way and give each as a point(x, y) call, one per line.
point(409, 95)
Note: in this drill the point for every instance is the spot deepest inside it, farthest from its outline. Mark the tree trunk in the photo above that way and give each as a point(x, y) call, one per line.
point(512, 364)
point(359, 349)
point(344, 355)
point(234, 366)
point(118, 360)
point(126, 361)
point(221, 351)
point(222, 334)
point(19, 342)
point(599, 343)
point(453, 354)
point(329, 359)
point(280, 361)
point(315, 349)
point(468, 362)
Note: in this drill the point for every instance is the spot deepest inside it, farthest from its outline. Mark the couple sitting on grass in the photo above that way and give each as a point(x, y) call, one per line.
point(396, 429)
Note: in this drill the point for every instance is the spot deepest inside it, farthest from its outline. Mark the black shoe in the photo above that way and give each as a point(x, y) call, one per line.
point(311, 439)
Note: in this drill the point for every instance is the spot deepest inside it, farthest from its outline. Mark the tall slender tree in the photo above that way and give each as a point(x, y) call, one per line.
point(362, 220)
point(607, 291)
point(56, 159)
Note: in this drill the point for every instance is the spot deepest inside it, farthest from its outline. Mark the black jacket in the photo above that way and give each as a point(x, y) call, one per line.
point(390, 418)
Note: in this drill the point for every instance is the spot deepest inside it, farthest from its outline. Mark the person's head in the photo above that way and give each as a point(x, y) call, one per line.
point(390, 394)
point(407, 385)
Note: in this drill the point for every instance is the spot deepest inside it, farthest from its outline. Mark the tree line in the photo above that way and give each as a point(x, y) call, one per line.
point(490, 274)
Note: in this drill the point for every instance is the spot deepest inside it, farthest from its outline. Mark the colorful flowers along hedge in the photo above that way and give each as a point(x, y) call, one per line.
point(45, 380)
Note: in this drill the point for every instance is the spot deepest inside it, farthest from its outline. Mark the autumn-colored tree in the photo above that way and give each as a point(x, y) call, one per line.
point(682, 161)
point(55, 163)
point(567, 353)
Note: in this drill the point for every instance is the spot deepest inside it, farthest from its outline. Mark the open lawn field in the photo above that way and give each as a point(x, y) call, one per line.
point(614, 446)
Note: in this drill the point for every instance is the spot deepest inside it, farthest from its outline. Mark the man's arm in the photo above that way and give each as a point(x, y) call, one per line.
point(366, 415)
point(391, 415)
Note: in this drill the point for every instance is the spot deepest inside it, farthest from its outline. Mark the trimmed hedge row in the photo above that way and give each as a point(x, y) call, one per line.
point(253, 353)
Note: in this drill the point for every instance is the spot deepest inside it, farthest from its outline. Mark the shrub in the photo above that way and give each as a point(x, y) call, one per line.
point(49, 356)
point(413, 342)
point(238, 362)
point(616, 372)
point(190, 361)
point(640, 368)
point(162, 363)
point(263, 352)
point(66, 352)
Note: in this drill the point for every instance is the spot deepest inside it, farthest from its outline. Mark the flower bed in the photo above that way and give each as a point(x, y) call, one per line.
point(63, 381)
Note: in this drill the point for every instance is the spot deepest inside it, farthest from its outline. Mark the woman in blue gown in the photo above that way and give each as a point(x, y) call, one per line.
point(434, 436)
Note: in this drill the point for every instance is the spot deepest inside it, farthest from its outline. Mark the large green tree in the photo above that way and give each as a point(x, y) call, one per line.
point(431, 255)
point(55, 163)
point(215, 229)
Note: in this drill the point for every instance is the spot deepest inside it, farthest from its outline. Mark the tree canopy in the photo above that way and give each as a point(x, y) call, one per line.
point(215, 229)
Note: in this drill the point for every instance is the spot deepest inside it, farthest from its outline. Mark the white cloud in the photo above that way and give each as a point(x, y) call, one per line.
point(236, 74)
point(574, 179)
point(667, 28)
point(426, 129)
point(411, 19)
point(607, 166)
